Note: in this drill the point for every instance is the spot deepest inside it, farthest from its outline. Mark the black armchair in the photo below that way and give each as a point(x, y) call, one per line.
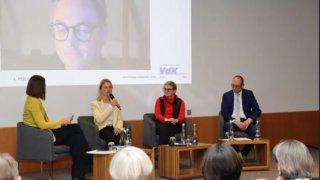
point(36, 144)
point(150, 138)
point(91, 132)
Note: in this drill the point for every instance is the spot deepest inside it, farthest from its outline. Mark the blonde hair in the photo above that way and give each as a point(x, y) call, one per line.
point(294, 159)
point(131, 163)
point(171, 83)
point(8, 167)
point(106, 80)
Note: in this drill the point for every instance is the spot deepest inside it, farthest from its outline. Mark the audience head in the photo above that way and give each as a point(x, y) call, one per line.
point(131, 163)
point(105, 89)
point(37, 87)
point(169, 89)
point(221, 162)
point(293, 159)
point(237, 84)
point(8, 168)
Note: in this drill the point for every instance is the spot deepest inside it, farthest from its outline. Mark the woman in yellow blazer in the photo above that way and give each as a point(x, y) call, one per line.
point(106, 114)
point(63, 133)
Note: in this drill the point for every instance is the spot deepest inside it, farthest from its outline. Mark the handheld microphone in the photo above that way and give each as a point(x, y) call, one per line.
point(112, 97)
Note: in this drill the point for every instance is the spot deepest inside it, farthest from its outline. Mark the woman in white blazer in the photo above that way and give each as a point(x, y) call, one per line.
point(106, 114)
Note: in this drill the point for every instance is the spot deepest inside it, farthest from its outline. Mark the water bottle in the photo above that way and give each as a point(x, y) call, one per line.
point(121, 138)
point(258, 132)
point(183, 134)
point(128, 140)
point(195, 134)
point(231, 136)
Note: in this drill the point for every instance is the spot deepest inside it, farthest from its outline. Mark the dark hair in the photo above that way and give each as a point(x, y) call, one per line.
point(221, 162)
point(37, 87)
point(242, 81)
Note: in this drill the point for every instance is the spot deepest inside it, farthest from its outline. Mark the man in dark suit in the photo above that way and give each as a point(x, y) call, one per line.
point(240, 106)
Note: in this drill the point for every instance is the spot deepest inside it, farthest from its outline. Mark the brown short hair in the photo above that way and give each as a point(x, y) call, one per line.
point(221, 162)
point(37, 87)
point(171, 83)
point(8, 167)
point(100, 86)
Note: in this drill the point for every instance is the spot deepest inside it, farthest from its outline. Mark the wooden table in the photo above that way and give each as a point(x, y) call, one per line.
point(169, 161)
point(101, 164)
point(263, 153)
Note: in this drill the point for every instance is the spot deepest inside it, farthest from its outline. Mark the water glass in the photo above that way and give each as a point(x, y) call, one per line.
point(172, 141)
point(189, 140)
point(226, 135)
point(111, 146)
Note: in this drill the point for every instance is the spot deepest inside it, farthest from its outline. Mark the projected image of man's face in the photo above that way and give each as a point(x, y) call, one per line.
point(79, 35)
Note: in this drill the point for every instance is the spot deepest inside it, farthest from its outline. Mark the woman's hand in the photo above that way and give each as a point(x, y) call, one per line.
point(166, 119)
point(116, 131)
point(114, 102)
point(66, 121)
point(174, 121)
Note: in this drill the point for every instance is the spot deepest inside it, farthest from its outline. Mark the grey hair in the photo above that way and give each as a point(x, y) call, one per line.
point(8, 167)
point(99, 4)
point(131, 163)
point(294, 159)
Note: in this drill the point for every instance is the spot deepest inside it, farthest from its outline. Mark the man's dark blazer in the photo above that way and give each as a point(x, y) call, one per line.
point(249, 104)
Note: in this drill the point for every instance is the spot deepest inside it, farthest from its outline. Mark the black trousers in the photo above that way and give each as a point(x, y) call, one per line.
point(107, 134)
point(166, 130)
point(73, 137)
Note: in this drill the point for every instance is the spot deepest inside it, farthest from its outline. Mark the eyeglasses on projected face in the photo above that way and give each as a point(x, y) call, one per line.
point(60, 31)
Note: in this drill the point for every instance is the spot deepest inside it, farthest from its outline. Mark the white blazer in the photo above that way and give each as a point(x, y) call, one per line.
point(101, 114)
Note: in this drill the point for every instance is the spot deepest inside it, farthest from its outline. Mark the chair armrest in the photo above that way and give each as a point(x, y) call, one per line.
point(34, 143)
point(90, 131)
point(149, 130)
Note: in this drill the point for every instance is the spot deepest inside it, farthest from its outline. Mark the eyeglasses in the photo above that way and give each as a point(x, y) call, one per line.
point(60, 31)
point(165, 89)
point(235, 86)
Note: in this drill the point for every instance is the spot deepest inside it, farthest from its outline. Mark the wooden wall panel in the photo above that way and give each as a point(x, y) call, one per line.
point(137, 132)
point(207, 128)
point(302, 126)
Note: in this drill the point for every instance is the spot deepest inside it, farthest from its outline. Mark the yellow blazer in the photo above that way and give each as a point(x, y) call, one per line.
point(34, 115)
point(101, 114)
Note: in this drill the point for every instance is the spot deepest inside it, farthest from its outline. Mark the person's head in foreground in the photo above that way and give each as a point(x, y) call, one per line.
point(221, 162)
point(293, 159)
point(79, 29)
point(131, 163)
point(8, 168)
